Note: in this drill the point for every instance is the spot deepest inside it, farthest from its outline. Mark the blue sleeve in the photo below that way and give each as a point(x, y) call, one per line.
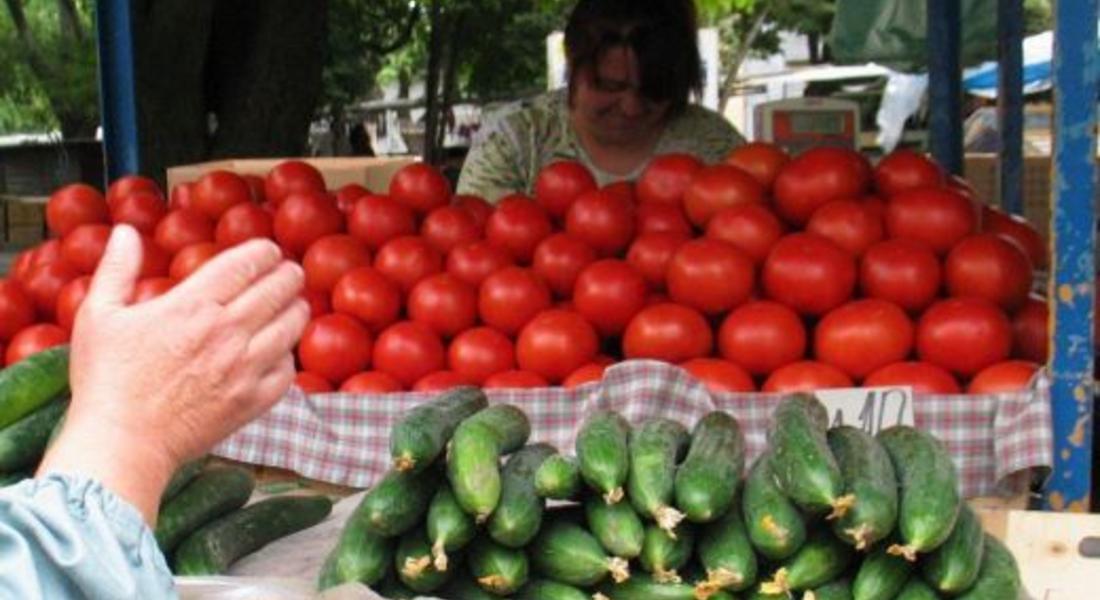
point(63, 536)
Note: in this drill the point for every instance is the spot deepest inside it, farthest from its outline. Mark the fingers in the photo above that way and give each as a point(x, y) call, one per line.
point(230, 273)
point(118, 270)
point(277, 338)
point(267, 298)
point(271, 386)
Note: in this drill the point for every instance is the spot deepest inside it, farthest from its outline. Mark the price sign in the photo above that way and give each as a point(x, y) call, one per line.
point(870, 409)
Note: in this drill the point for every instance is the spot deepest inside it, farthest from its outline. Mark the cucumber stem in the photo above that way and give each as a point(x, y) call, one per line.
point(861, 534)
point(780, 584)
point(841, 506)
point(494, 583)
point(614, 496)
point(668, 518)
point(619, 569)
point(774, 529)
point(809, 595)
point(415, 567)
point(404, 463)
point(662, 576)
point(907, 550)
point(599, 596)
point(722, 578)
point(439, 556)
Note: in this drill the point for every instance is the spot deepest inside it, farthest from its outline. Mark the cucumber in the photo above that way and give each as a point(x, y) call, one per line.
point(413, 563)
point(603, 453)
point(881, 575)
point(643, 587)
point(558, 478)
point(758, 593)
point(497, 569)
point(776, 528)
point(23, 442)
point(545, 589)
point(391, 587)
point(519, 514)
point(707, 480)
point(7, 479)
point(463, 586)
point(212, 494)
point(929, 496)
point(421, 435)
point(398, 502)
point(617, 527)
point(664, 555)
point(917, 589)
point(56, 431)
point(32, 382)
point(565, 552)
point(473, 463)
point(727, 555)
point(953, 567)
point(655, 449)
point(841, 589)
point(449, 527)
point(804, 467)
point(217, 545)
point(360, 555)
point(184, 475)
point(999, 576)
point(869, 476)
point(820, 560)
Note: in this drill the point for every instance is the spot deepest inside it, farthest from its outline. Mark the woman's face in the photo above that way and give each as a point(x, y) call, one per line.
point(607, 104)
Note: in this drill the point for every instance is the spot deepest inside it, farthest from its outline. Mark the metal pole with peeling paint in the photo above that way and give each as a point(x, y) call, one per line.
point(1073, 231)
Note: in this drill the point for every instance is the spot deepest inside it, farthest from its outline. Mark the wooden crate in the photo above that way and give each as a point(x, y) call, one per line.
point(372, 172)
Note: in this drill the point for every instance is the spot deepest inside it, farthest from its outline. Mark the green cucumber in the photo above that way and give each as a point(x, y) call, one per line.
point(617, 526)
point(398, 502)
point(664, 555)
point(655, 449)
point(881, 575)
point(804, 467)
point(707, 480)
point(184, 475)
point(820, 560)
point(217, 545)
point(413, 563)
point(917, 589)
point(519, 514)
point(360, 555)
point(473, 463)
point(999, 576)
point(212, 494)
point(953, 567)
point(497, 569)
point(603, 453)
point(449, 527)
point(929, 496)
point(776, 527)
point(558, 478)
point(23, 442)
point(565, 552)
point(421, 435)
point(841, 589)
point(32, 382)
point(391, 588)
point(644, 587)
point(545, 589)
point(869, 477)
point(464, 587)
point(7, 479)
point(727, 554)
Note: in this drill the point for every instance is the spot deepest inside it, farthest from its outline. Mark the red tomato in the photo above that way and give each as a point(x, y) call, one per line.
point(241, 223)
point(904, 170)
point(668, 332)
point(559, 259)
point(809, 274)
point(312, 383)
point(1029, 330)
point(45, 253)
point(560, 183)
point(511, 297)
point(478, 208)
point(719, 375)
point(444, 303)
point(515, 380)
point(448, 227)
point(585, 374)
point(408, 351)
point(904, 272)
point(710, 275)
point(556, 343)
point(255, 186)
point(379, 219)
point(84, 246)
point(319, 303)
point(217, 191)
point(143, 210)
point(475, 261)
point(182, 228)
point(990, 267)
point(924, 378)
point(439, 381)
point(651, 253)
point(303, 219)
point(850, 224)
point(183, 196)
point(188, 260)
point(877, 207)
point(805, 376)
point(292, 177)
point(621, 189)
point(147, 289)
point(964, 335)
point(816, 177)
point(21, 266)
point(44, 283)
point(330, 257)
point(1015, 229)
point(420, 187)
point(32, 340)
point(762, 336)
point(863, 335)
point(75, 205)
point(759, 159)
point(476, 354)
point(1003, 377)
point(16, 309)
point(716, 187)
point(937, 217)
point(666, 178)
point(518, 225)
point(335, 347)
point(348, 194)
point(155, 262)
point(656, 217)
point(751, 228)
point(603, 221)
point(371, 382)
point(407, 260)
point(130, 184)
point(608, 293)
point(368, 296)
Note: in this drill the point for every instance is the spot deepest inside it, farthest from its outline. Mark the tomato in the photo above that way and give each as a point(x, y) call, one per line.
point(964, 335)
point(560, 183)
point(45, 253)
point(217, 191)
point(369, 296)
point(84, 246)
point(620, 189)
point(719, 375)
point(759, 159)
point(188, 260)
point(319, 303)
point(608, 293)
point(335, 347)
point(515, 380)
point(408, 351)
point(905, 272)
point(44, 283)
point(656, 217)
point(420, 187)
point(241, 223)
point(75, 205)
point(1017, 230)
point(651, 253)
point(817, 177)
point(478, 353)
point(716, 187)
point(603, 221)
point(710, 275)
point(292, 177)
point(668, 332)
point(666, 178)
point(805, 376)
point(751, 228)
point(378, 219)
point(329, 258)
point(348, 194)
point(850, 224)
point(32, 340)
point(511, 297)
point(371, 382)
point(439, 381)
point(131, 184)
point(155, 262)
point(585, 374)
point(809, 274)
point(444, 303)
point(559, 259)
point(21, 266)
point(475, 261)
point(147, 289)
point(478, 208)
point(183, 196)
point(518, 225)
point(312, 383)
point(863, 335)
point(990, 267)
point(924, 378)
point(407, 260)
point(937, 217)
point(1029, 330)
point(182, 228)
point(16, 309)
point(904, 170)
point(143, 210)
point(556, 343)
point(303, 219)
point(255, 187)
point(448, 227)
point(1004, 377)
point(762, 336)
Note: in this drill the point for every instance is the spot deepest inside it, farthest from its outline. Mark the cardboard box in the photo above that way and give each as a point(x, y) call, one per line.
point(24, 221)
point(372, 172)
point(983, 171)
point(1058, 553)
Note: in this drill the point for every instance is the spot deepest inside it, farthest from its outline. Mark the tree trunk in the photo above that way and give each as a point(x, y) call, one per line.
point(431, 90)
point(739, 56)
point(69, 18)
point(450, 76)
point(813, 42)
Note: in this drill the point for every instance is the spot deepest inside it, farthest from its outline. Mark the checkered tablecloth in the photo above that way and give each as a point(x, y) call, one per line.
point(997, 441)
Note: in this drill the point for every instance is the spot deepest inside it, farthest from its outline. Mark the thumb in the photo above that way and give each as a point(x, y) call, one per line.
point(118, 270)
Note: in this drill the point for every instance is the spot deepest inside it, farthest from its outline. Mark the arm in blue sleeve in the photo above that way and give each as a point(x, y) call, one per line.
point(63, 536)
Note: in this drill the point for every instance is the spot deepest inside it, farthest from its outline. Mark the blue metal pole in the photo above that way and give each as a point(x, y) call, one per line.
point(945, 83)
point(1010, 102)
point(118, 100)
point(1074, 233)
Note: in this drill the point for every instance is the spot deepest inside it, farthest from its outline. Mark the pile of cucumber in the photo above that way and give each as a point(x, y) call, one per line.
point(33, 399)
point(471, 510)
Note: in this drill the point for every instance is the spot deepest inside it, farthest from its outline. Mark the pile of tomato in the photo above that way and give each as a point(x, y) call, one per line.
point(764, 272)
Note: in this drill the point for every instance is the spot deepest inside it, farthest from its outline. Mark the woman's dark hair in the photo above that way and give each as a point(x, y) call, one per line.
point(661, 33)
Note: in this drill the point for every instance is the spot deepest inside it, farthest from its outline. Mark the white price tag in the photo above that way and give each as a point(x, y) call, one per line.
point(870, 409)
